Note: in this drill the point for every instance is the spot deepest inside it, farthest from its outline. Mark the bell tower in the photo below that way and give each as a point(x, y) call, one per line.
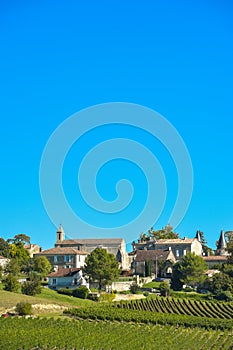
point(60, 234)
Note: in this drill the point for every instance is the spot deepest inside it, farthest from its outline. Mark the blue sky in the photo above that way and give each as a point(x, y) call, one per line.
point(58, 58)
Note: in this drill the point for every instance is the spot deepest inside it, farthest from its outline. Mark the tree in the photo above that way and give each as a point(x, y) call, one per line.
point(13, 267)
point(189, 270)
point(101, 266)
point(220, 282)
point(21, 237)
point(165, 233)
point(11, 284)
point(4, 248)
point(205, 248)
point(41, 265)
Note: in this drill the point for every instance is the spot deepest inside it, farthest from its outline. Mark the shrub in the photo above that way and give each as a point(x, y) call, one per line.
point(224, 295)
point(31, 288)
point(23, 308)
point(11, 284)
point(81, 292)
point(134, 288)
point(164, 289)
point(106, 297)
point(65, 291)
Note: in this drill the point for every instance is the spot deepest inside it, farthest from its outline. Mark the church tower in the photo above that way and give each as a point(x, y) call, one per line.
point(222, 245)
point(60, 234)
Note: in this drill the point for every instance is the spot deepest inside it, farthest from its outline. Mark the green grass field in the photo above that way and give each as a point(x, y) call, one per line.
point(8, 300)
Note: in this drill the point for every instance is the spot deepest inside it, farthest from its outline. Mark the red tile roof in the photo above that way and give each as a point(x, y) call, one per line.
point(62, 251)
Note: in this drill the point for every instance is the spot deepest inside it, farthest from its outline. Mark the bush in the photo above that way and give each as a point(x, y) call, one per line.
point(23, 308)
point(134, 288)
point(164, 289)
point(81, 292)
point(106, 297)
point(31, 288)
point(224, 295)
point(11, 284)
point(65, 291)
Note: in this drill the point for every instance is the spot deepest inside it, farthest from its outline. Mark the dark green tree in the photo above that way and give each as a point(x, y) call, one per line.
point(165, 233)
point(205, 248)
point(220, 282)
point(21, 237)
point(101, 266)
point(11, 283)
point(32, 287)
point(190, 270)
point(4, 248)
point(148, 268)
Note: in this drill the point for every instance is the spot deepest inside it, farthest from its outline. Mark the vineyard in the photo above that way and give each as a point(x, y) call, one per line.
point(110, 313)
point(181, 307)
point(50, 334)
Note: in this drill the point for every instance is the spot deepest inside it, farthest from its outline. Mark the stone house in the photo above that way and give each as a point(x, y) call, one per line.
point(178, 246)
point(32, 249)
point(115, 246)
point(214, 260)
point(65, 257)
point(161, 262)
point(66, 278)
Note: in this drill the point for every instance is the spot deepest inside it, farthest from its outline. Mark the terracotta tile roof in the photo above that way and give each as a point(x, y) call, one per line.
point(62, 251)
point(215, 258)
point(143, 255)
point(64, 272)
point(93, 241)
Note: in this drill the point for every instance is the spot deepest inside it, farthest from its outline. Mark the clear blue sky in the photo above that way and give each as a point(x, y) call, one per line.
point(59, 57)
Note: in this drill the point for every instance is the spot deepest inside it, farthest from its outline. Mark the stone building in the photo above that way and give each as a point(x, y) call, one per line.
point(161, 262)
point(66, 257)
point(178, 246)
point(115, 246)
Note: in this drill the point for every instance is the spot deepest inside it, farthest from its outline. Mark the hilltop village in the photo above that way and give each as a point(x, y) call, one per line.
point(153, 256)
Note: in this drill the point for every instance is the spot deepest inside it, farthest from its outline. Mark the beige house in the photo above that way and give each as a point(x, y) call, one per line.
point(178, 246)
point(65, 257)
point(32, 249)
point(115, 246)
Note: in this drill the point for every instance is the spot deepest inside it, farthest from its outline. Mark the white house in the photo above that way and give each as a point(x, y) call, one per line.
point(67, 278)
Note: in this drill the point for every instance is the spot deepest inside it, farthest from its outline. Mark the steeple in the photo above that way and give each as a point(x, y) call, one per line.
point(222, 245)
point(198, 236)
point(60, 234)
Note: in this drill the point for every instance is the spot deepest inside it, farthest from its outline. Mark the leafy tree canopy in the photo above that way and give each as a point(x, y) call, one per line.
point(21, 237)
point(165, 233)
point(189, 270)
point(101, 266)
point(4, 247)
point(41, 265)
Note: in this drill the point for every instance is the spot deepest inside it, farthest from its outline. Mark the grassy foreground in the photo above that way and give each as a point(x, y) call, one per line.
point(27, 334)
point(9, 299)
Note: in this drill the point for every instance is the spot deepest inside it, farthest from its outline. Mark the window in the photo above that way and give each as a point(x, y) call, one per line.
point(75, 281)
point(67, 258)
point(54, 281)
point(177, 252)
point(184, 252)
point(55, 258)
